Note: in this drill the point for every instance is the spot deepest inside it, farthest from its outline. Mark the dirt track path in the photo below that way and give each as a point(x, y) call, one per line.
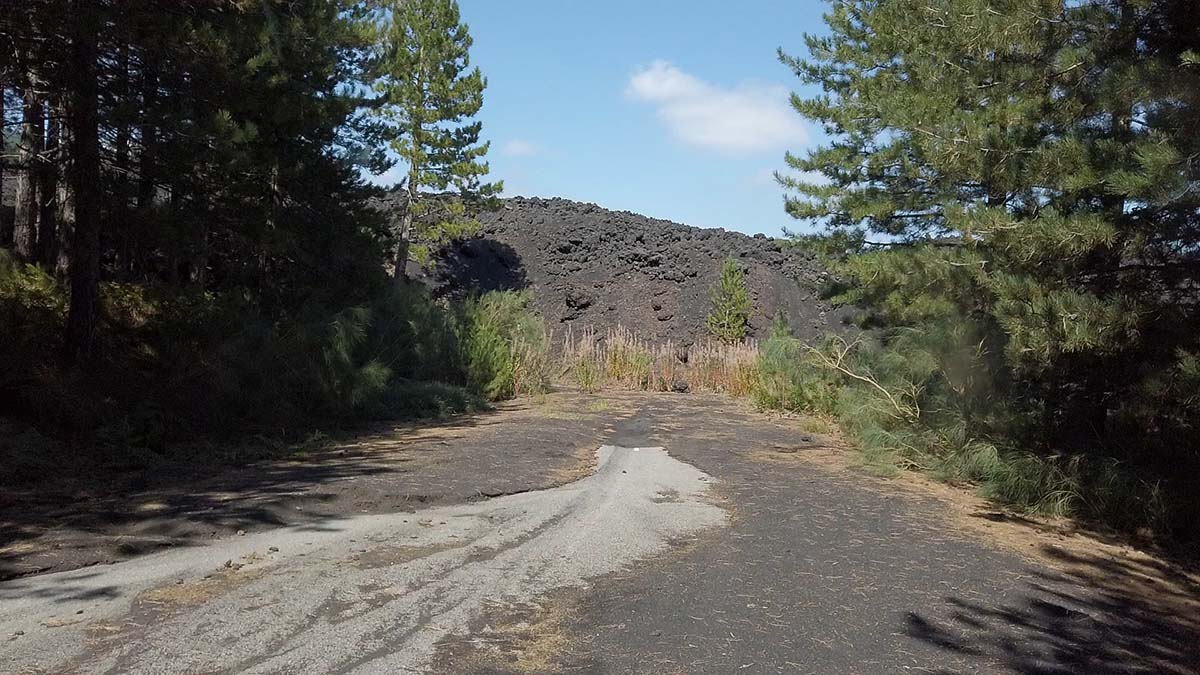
point(745, 546)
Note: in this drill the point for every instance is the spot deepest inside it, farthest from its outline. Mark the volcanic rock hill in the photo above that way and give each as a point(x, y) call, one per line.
point(585, 265)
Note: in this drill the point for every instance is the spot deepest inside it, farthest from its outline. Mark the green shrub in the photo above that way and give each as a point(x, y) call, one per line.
point(504, 345)
point(407, 399)
point(415, 337)
point(729, 319)
point(921, 400)
point(587, 374)
point(788, 378)
point(179, 365)
point(26, 455)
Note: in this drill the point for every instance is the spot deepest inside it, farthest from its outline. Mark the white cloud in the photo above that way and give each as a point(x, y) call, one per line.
point(520, 148)
point(751, 117)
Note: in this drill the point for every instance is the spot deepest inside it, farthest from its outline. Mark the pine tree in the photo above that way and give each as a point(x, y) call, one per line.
point(429, 93)
point(83, 122)
point(5, 224)
point(729, 319)
point(30, 159)
point(1025, 172)
point(205, 145)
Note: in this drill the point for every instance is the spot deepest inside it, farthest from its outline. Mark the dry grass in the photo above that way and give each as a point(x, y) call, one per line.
point(526, 638)
point(198, 592)
point(585, 465)
point(619, 359)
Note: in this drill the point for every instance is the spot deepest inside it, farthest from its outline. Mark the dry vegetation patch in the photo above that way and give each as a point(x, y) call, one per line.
point(530, 638)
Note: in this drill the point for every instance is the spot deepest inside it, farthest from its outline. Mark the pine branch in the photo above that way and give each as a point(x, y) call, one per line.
point(909, 413)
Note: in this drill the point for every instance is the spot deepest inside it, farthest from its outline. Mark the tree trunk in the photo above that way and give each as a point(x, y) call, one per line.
point(400, 274)
point(65, 201)
point(6, 223)
point(47, 243)
point(121, 202)
point(82, 94)
point(27, 208)
point(198, 267)
point(404, 234)
point(121, 143)
point(149, 137)
point(175, 252)
point(147, 191)
point(66, 225)
point(3, 145)
point(1098, 380)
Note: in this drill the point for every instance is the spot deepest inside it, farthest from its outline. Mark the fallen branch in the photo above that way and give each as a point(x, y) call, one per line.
point(837, 362)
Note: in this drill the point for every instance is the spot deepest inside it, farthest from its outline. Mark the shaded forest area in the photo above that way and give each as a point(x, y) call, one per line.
point(186, 243)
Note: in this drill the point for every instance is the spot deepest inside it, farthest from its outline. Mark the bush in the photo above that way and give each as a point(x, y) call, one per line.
point(414, 336)
point(408, 399)
point(587, 374)
point(788, 377)
point(26, 455)
point(907, 408)
point(504, 346)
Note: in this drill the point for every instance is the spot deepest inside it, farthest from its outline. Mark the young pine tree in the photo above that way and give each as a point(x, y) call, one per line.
point(729, 320)
point(1021, 173)
point(429, 95)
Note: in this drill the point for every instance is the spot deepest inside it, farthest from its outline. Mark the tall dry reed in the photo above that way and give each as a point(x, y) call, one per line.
point(620, 359)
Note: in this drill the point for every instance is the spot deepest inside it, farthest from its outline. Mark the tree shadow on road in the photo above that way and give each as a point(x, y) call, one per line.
point(96, 514)
point(70, 590)
point(1093, 614)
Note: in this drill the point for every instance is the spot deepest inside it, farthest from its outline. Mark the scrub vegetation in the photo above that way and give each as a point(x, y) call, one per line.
point(1009, 197)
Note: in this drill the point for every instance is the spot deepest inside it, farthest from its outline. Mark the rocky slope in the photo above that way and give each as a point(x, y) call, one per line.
point(585, 265)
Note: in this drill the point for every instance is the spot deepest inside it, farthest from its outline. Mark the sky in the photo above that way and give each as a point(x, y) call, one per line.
point(674, 109)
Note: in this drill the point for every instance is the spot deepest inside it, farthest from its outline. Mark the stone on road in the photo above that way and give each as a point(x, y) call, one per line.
point(370, 594)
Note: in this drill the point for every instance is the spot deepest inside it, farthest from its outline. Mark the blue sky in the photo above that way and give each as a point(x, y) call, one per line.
point(674, 109)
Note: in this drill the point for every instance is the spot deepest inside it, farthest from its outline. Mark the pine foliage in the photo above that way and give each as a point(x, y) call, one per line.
point(729, 318)
point(1010, 190)
point(194, 209)
point(428, 98)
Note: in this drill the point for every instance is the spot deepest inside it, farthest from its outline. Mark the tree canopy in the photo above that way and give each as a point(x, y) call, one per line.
point(429, 96)
point(187, 203)
point(223, 145)
point(1017, 183)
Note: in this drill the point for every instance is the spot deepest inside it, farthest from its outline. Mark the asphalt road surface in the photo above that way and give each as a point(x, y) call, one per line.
point(703, 542)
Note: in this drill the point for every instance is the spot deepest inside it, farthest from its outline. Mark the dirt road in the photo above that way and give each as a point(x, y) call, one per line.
point(704, 539)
